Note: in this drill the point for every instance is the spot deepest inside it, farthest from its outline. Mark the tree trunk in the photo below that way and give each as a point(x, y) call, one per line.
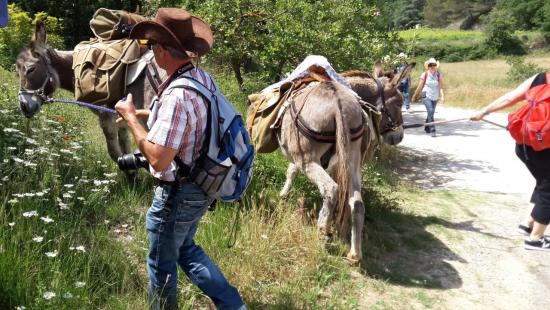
point(236, 66)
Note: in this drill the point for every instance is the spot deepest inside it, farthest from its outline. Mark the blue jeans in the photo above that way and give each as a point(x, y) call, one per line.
point(171, 226)
point(406, 96)
point(430, 108)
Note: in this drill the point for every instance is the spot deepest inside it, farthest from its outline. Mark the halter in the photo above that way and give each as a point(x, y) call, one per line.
point(392, 125)
point(27, 95)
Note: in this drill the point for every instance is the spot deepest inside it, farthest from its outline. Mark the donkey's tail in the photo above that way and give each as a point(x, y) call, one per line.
point(343, 175)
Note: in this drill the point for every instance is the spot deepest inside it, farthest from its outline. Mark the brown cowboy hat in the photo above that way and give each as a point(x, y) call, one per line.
point(177, 28)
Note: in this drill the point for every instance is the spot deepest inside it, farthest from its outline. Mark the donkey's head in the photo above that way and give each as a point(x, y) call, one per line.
point(380, 89)
point(37, 78)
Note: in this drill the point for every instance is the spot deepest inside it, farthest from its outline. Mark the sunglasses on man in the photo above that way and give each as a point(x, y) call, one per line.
point(149, 43)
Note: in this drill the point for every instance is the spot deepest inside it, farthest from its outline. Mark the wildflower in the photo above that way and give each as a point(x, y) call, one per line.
point(68, 185)
point(66, 137)
point(60, 119)
point(30, 213)
point(31, 141)
point(29, 164)
point(81, 248)
point(79, 284)
point(11, 130)
point(67, 195)
point(20, 308)
point(264, 236)
point(5, 179)
point(12, 148)
point(37, 239)
point(63, 206)
point(67, 295)
point(29, 194)
point(49, 295)
point(46, 219)
point(13, 201)
point(52, 254)
point(17, 159)
point(40, 194)
point(11, 224)
point(65, 151)
point(110, 175)
point(80, 198)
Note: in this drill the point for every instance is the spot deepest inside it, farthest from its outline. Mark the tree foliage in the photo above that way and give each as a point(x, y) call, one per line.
point(75, 14)
point(277, 34)
point(19, 31)
point(499, 33)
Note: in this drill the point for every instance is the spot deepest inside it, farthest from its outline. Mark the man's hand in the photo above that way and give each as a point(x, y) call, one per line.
point(126, 109)
point(477, 116)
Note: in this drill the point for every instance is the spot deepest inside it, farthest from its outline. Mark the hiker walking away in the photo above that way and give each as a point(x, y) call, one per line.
point(430, 91)
point(177, 125)
point(405, 85)
point(534, 152)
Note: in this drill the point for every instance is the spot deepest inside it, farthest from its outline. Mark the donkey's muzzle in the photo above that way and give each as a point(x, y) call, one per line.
point(29, 103)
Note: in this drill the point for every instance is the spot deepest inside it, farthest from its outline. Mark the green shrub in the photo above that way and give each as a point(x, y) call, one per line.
point(499, 32)
point(521, 70)
point(19, 31)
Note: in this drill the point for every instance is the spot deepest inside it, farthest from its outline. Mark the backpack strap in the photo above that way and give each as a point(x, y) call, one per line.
point(186, 82)
point(540, 88)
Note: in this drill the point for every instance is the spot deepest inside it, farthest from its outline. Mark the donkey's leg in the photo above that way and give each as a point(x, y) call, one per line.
point(357, 209)
point(124, 139)
point(291, 172)
point(329, 191)
point(109, 127)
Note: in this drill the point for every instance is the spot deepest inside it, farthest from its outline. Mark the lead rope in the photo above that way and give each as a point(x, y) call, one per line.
point(232, 239)
point(83, 104)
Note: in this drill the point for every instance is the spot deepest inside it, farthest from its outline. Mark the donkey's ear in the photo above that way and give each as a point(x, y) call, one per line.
point(378, 70)
point(402, 74)
point(39, 36)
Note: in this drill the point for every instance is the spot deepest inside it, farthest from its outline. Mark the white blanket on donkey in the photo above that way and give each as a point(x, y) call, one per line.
point(303, 70)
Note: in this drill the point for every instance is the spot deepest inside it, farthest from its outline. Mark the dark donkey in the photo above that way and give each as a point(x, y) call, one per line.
point(42, 70)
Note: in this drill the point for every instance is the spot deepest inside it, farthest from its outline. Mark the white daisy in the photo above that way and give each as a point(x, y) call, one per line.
point(30, 213)
point(79, 284)
point(52, 254)
point(37, 239)
point(47, 219)
point(49, 295)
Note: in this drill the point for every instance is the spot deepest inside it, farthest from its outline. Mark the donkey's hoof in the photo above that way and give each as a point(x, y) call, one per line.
point(353, 259)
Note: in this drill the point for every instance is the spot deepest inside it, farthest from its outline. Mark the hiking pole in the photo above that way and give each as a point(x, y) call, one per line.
point(493, 123)
point(434, 123)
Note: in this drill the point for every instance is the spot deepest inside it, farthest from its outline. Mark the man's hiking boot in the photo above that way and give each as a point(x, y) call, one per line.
point(524, 230)
point(543, 244)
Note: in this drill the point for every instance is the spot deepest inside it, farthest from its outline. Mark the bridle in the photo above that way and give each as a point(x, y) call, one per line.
point(28, 95)
point(391, 124)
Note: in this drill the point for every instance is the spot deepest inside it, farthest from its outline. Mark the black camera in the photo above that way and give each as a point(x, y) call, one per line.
point(132, 161)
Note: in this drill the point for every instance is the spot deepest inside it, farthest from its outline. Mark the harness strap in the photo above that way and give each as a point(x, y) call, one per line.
point(325, 136)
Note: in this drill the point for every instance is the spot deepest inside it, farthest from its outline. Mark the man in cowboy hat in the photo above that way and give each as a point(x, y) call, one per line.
point(177, 125)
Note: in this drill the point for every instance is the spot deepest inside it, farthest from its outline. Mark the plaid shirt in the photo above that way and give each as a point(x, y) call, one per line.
point(178, 121)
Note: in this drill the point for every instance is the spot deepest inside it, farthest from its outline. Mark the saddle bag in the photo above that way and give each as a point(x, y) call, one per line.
point(263, 113)
point(530, 124)
point(113, 24)
point(100, 69)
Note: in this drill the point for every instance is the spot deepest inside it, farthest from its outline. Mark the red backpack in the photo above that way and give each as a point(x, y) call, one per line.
point(530, 124)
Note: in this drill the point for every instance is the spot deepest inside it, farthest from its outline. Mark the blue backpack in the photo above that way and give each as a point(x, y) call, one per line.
point(224, 167)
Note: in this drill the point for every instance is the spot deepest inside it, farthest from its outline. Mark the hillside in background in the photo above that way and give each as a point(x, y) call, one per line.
point(467, 14)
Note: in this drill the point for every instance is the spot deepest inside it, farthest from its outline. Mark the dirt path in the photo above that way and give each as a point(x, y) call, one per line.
point(495, 272)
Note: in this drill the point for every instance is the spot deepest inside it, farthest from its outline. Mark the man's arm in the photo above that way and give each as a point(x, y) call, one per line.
point(159, 157)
